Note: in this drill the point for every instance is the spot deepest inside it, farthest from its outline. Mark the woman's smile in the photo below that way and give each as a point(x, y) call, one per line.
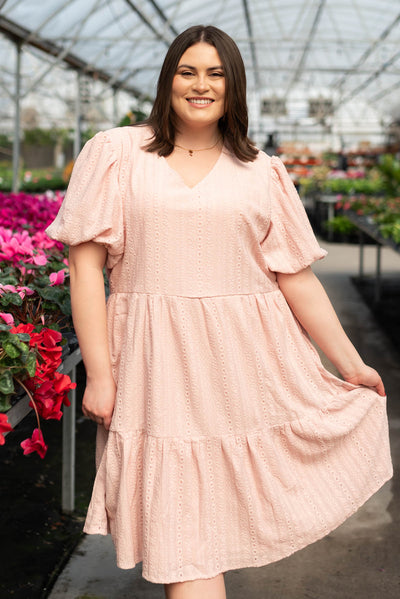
point(200, 101)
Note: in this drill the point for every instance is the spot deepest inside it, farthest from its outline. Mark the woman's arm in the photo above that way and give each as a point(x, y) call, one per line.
point(310, 303)
point(89, 316)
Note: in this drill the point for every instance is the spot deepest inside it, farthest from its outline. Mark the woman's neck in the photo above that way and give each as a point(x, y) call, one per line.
point(197, 138)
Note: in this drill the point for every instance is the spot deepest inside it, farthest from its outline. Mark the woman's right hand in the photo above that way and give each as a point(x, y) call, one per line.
point(98, 401)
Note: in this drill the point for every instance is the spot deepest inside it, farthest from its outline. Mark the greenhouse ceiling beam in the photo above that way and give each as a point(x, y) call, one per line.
point(65, 50)
point(384, 92)
point(146, 21)
point(307, 46)
point(253, 49)
point(355, 68)
point(163, 16)
point(370, 79)
point(19, 34)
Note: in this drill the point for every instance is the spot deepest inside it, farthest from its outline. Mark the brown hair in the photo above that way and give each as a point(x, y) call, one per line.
point(234, 124)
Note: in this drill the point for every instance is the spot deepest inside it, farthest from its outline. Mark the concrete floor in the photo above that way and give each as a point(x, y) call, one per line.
point(360, 559)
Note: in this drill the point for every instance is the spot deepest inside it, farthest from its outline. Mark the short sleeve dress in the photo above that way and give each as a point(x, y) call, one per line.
point(230, 444)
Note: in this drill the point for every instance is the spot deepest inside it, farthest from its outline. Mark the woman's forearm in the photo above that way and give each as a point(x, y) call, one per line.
point(312, 307)
point(89, 308)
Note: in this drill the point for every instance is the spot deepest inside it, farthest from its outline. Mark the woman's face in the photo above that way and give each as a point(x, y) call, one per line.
point(198, 87)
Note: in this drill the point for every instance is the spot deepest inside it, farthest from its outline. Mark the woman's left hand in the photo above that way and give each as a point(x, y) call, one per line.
point(367, 376)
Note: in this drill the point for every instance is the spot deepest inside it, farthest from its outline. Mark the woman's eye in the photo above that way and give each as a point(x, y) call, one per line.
point(217, 74)
point(186, 73)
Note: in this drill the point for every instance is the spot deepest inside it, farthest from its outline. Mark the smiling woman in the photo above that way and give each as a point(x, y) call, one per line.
point(202, 64)
point(223, 442)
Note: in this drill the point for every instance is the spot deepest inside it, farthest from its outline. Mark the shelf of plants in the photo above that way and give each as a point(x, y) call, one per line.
point(35, 325)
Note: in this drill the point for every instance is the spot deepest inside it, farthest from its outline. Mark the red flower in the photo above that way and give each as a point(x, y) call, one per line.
point(47, 401)
point(35, 443)
point(23, 328)
point(62, 385)
point(5, 427)
point(50, 338)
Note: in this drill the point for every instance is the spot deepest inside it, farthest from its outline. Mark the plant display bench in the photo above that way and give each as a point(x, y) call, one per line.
point(368, 229)
point(21, 409)
point(323, 207)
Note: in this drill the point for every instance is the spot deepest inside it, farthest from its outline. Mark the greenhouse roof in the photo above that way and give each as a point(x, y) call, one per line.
point(346, 49)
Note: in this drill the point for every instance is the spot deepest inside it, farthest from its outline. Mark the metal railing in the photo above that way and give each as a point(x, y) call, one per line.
point(21, 409)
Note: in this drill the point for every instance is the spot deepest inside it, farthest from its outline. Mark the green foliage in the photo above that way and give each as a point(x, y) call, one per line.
point(5, 141)
point(43, 184)
point(17, 359)
point(341, 224)
point(391, 230)
point(133, 116)
point(367, 186)
point(389, 168)
point(45, 137)
point(42, 180)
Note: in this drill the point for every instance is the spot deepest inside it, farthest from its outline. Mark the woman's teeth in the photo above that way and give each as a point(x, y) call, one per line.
point(199, 101)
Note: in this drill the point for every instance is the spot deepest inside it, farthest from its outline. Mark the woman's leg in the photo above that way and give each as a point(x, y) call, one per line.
point(204, 588)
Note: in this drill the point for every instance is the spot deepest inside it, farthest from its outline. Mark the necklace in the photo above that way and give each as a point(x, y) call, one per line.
point(199, 150)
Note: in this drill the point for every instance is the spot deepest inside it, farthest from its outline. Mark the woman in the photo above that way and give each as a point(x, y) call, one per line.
point(222, 441)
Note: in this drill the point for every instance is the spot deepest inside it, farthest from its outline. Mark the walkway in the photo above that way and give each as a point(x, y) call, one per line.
point(360, 559)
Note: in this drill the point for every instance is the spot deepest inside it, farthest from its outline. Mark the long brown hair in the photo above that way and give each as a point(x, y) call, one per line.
point(234, 124)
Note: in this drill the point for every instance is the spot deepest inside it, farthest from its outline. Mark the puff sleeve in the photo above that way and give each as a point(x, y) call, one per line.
point(92, 207)
point(290, 244)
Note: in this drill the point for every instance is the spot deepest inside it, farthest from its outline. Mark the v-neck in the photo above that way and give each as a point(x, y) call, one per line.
point(208, 174)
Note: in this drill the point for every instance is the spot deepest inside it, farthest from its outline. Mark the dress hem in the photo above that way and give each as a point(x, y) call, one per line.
point(240, 564)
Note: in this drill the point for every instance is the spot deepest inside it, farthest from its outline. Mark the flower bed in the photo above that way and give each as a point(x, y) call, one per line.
point(380, 211)
point(34, 311)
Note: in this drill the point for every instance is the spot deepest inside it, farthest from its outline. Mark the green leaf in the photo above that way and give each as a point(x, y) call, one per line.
point(23, 337)
point(65, 307)
point(5, 403)
point(49, 293)
point(11, 298)
point(4, 327)
point(22, 347)
point(11, 350)
point(30, 364)
point(6, 383)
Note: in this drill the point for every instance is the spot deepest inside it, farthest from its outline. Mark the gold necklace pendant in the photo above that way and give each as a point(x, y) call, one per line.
point(191, 152)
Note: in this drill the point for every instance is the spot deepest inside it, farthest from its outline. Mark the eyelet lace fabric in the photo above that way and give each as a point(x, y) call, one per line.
point(230, 445)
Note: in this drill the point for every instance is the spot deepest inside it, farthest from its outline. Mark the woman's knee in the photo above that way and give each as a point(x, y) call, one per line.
point(210, 588)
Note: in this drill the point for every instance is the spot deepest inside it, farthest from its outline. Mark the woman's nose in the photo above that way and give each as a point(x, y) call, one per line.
point(201, 83)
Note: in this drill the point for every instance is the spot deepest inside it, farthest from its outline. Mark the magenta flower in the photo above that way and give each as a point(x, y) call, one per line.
point(39, 259)
point(21, 290)
point(16, 246)
point(57, 278)
point(8, 318)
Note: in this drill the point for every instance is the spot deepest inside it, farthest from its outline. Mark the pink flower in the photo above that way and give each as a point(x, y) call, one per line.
point(5, 427)
point(8, 318)
point(22, 291)
point(57, 278)
point(35, 443)
point(7, 289)
point(39, 259)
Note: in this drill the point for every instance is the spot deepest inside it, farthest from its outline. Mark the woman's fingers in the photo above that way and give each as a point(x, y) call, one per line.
point(381, 388)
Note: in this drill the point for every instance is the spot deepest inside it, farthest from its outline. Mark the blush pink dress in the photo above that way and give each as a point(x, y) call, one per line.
point(230, 445)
